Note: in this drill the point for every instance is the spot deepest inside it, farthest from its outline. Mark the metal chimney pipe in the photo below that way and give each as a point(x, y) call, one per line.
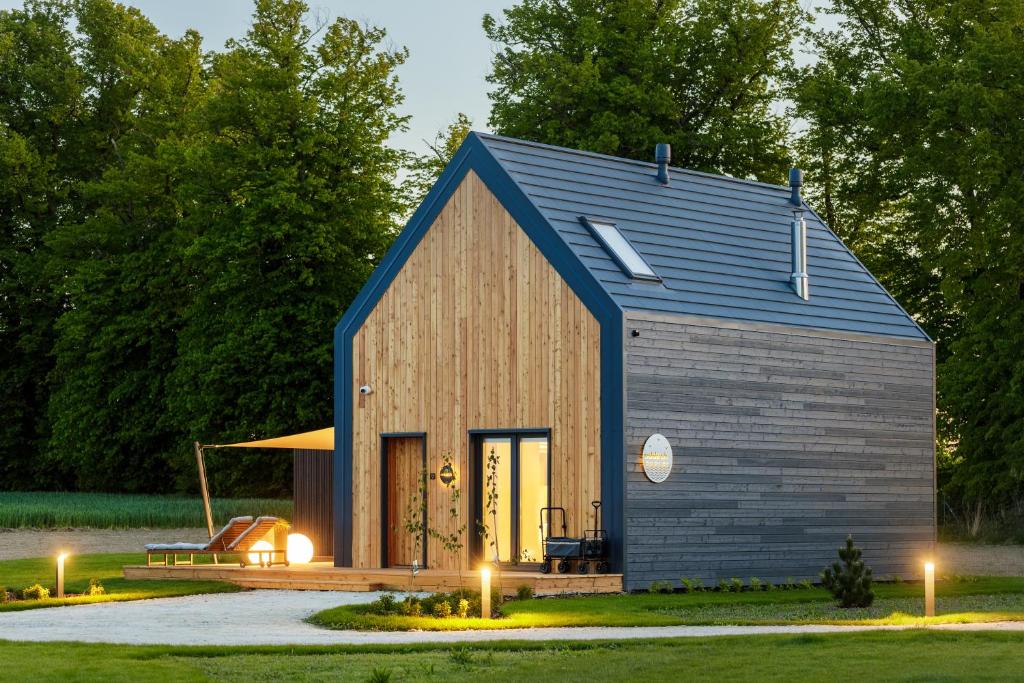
point(663, 155)
point(798, 238)
point(798, 242)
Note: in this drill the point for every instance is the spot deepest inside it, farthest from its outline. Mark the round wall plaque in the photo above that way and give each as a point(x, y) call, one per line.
point(657, 458)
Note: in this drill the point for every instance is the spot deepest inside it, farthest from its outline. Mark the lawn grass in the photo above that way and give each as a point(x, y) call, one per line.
point(19, 574)
point(891, 656)
point(42, 510)
point(976, 599)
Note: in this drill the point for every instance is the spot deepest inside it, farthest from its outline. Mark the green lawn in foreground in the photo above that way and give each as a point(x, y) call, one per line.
point(42, 510)
point(890, 656)
point(976, 599)
point(19, 574)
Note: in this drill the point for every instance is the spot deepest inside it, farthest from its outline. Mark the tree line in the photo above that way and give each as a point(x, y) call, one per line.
point(182, 228)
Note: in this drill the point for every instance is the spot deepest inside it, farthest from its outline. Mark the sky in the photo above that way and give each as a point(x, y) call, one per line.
point(449, 56)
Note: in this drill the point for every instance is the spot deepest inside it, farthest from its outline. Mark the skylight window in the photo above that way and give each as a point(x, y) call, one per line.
point(619, 248)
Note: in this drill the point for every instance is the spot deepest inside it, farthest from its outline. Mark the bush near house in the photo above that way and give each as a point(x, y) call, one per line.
point(850, 581)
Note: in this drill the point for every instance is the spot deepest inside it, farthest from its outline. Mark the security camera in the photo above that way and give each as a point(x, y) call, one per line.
point(365, 389)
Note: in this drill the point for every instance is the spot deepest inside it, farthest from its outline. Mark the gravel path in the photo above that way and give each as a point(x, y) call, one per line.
point(19, 543)
point(275, 618)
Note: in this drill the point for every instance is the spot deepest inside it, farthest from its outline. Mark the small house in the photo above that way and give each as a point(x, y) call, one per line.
point(699, 354)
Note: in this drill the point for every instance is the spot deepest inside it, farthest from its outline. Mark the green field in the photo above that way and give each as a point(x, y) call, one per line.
point(19, 574)
point(890, 656)
point(42, 510)
point(964, 600)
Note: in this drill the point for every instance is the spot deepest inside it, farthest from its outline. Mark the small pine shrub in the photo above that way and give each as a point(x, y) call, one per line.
point(661, 587)
point(755, 583)
point(95, 588)
point(35, 592)
point(524, 593)
point(735, 585)
point(380, 675)
point(849, 581)
point(463, 610)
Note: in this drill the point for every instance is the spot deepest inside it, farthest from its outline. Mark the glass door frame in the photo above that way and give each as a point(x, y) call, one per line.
point(477, 467)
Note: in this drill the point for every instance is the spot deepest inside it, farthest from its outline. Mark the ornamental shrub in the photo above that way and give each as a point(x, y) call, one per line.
point(849, 581)
point(35, 592)
point(661, 587)
point(95, 588)
point(735, 585)
point(442, 609)
point(524, 593)
point(463, 610)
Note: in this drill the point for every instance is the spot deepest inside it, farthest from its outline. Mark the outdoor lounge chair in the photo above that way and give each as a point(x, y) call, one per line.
point(237, 536)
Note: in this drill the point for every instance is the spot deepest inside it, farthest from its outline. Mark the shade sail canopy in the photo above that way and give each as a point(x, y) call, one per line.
point(318, 440)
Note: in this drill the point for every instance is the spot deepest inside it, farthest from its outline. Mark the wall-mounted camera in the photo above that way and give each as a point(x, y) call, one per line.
point(365, 389)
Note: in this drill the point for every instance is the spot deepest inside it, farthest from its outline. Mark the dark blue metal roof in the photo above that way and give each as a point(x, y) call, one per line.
point(721, 245)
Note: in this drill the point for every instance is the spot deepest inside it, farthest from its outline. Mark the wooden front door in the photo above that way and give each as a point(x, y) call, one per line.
point(404, 471)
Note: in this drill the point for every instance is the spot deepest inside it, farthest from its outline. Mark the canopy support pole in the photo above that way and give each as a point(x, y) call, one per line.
point(204, 488)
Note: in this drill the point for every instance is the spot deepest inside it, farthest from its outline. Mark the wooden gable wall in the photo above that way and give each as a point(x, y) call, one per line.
point(477, 331)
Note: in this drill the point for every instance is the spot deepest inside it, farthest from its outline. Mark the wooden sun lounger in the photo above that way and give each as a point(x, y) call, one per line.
point(237, 536)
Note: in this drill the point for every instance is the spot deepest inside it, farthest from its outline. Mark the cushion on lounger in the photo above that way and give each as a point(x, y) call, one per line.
point(180, 547)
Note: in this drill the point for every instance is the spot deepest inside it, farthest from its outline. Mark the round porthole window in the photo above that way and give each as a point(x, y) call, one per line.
point(657, 458)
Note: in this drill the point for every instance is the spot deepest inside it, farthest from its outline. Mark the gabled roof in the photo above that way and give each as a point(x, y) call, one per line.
point(721, 245)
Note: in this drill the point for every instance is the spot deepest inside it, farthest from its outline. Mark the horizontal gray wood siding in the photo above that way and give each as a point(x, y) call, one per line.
point(784, 442)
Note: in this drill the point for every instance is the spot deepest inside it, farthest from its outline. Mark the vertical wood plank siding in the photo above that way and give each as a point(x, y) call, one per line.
point(477, 331)
point(784, 442)
point(313, 499)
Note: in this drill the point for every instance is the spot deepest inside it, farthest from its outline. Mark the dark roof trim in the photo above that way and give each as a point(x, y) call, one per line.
point(474, 155)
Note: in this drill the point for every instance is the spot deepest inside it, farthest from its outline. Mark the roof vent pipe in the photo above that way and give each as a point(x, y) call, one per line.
point(662, 156)
point(798, 239)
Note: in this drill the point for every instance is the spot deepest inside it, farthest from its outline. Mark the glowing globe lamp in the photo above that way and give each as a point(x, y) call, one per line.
point(300, 549)
point(254, 558)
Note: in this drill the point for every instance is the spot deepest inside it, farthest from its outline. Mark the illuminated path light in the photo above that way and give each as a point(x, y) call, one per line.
point(929, 589)
point(485, 593)
point(60, 574)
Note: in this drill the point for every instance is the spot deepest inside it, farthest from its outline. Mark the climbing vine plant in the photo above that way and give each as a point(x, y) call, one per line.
point(451, 539)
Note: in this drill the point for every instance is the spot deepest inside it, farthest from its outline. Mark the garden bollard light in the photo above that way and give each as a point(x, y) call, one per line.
point(60, 575)
point(485, 593)
point(929, 589)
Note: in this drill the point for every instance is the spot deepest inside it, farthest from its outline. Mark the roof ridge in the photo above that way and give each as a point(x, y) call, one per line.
point(612, 157)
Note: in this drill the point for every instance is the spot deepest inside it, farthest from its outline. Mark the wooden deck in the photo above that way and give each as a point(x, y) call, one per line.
point(324, 576)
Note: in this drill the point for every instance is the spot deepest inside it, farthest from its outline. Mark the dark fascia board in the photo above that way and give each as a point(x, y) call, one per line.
point(474, 155)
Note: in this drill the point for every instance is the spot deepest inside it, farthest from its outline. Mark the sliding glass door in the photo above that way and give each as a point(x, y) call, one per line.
point(511, 484)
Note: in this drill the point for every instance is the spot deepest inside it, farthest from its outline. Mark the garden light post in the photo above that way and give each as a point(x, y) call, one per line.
point(60, 574)
point(485, 593)
point(929, 589)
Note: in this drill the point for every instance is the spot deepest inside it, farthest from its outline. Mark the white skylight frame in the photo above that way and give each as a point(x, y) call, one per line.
point(620, 249)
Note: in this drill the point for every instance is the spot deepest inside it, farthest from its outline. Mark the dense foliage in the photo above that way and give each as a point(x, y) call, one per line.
point(619, 76)
point(916, 146)
point(181, 232)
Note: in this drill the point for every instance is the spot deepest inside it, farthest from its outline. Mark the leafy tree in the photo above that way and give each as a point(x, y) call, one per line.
point(41, 92)
point(291, 204)
point(116, 340)
point(619, 76)
point(913, 114)
point(849, 582)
